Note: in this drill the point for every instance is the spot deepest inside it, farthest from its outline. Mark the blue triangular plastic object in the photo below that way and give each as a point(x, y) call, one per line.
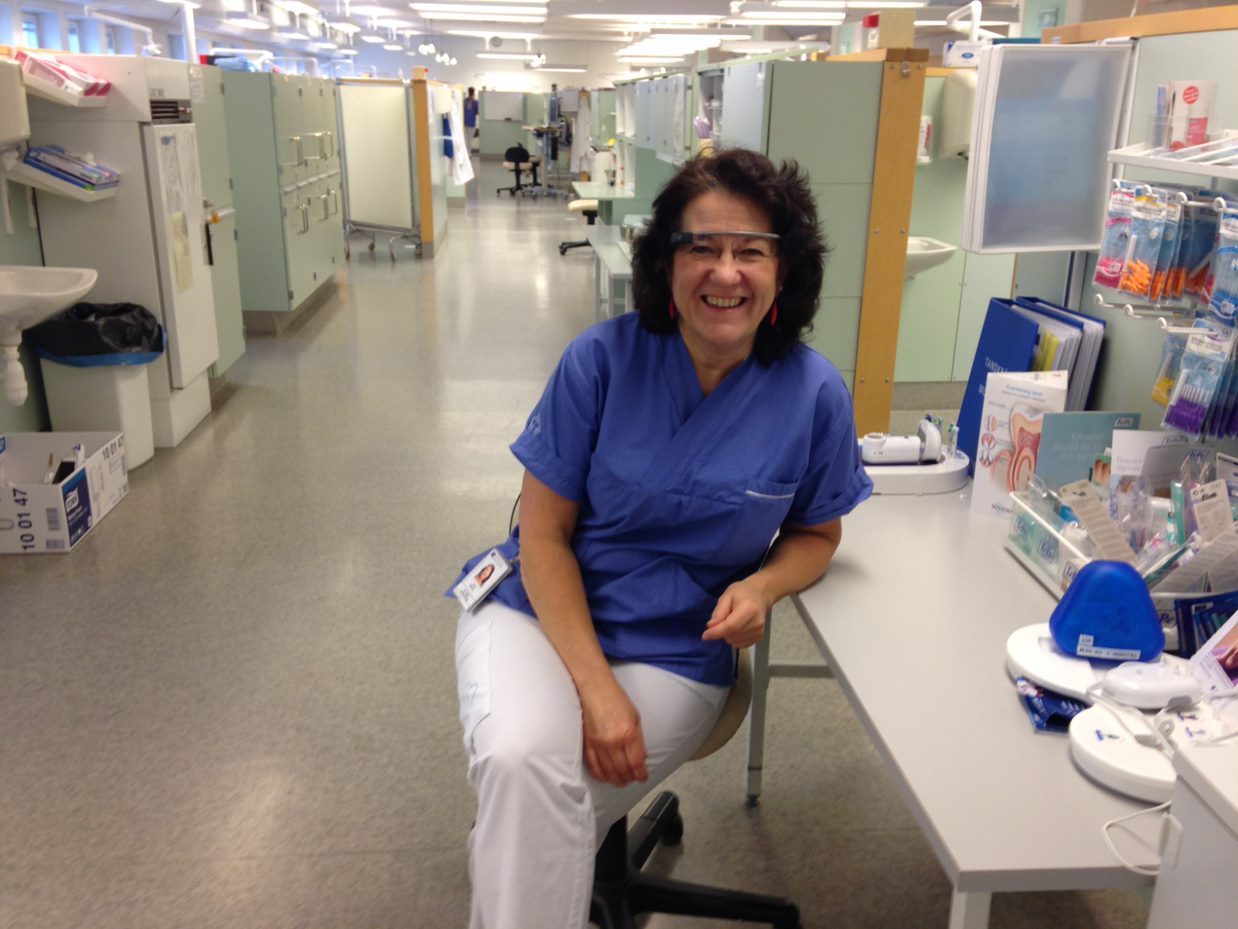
point(1107, 612)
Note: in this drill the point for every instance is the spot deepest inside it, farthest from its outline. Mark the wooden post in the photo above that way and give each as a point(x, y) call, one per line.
point(421, 139)
point(894, 180)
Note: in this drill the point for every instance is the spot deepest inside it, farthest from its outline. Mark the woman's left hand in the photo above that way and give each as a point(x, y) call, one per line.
point(739, 617)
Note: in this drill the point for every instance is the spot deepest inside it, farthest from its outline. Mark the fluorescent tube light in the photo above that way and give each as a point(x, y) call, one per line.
point(372, 38)
point(323, 46)
point(649, 60)
point(488, 33)
point(507, 56)
point(648, 19)
point(292, 35)
point(484, 18)
point(564, 69)
point(296, 7)
point(344, 26)
point(393, 47)
point(477, 8)
point(348, 51)
point(245, 21)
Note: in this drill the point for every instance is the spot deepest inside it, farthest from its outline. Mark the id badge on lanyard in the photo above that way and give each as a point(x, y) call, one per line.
point(482, 580)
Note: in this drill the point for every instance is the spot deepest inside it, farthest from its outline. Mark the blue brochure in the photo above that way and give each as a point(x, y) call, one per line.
point(1007, 343)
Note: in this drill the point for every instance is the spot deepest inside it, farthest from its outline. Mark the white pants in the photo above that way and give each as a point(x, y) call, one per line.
point(541, 816)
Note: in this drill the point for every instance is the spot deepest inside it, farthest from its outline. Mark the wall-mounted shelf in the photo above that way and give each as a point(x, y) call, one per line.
point(22, 173)
point(49, 91)
point(1198, 160)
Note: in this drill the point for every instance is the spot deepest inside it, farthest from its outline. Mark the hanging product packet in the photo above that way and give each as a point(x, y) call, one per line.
point(1209, 349)
point(1171, 366)
point(1116, 235)
point(1223, 311)
point(1144, 247)
point(1170, 241)
point(1198, 246)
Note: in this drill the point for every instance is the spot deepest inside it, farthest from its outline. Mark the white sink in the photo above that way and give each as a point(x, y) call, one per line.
point(924, 253)
point(28, 295)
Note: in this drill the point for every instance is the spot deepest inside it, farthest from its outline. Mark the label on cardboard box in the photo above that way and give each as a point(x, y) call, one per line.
point(36, 516)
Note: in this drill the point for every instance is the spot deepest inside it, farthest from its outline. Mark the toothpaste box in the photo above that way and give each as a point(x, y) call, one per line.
point(37, 516)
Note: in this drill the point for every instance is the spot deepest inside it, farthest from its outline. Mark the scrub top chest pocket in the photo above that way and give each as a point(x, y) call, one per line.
point(720, 523)
point(760, 511)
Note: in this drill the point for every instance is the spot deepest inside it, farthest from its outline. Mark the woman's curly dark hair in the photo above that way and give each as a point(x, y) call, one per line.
point(784, 196)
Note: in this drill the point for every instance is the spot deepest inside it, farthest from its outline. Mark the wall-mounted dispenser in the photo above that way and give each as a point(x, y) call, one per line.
point(958, 102)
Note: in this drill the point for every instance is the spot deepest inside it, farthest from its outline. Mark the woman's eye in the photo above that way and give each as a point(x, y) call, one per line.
point(699, 250)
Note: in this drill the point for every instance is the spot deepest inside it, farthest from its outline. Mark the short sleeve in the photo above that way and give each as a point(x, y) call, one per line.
point(835, 482)
point(561, 432)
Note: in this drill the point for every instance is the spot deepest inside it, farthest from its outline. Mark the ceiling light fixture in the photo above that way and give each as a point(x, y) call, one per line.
point(477, 8)
point(647, 20)
point(507, 56)
point(811, 4)
point(344, 26)
point(886, 4)
point(348, 51)
point(484, 18)
point(373, 38)
point(297, 8)
point(323, 46)
point(393, 47)
point(564, 69)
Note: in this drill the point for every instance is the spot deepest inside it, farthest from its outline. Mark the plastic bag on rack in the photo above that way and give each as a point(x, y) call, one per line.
point(1116, 235)
point(1143, 250)
point(1199, 236)
point(1209, 350)
point(1170, 367)
point(1171, 239)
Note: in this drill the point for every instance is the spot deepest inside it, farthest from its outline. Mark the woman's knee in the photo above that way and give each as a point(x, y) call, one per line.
point(517, 755)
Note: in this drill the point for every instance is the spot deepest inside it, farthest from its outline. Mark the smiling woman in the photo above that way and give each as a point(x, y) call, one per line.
point(736, 192)
point(668, 449)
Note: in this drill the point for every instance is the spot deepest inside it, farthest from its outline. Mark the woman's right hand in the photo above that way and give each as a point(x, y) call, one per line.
point(614, 741)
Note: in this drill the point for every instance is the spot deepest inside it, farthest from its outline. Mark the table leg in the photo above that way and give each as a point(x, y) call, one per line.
point(970, 909)
point(756, 717)
point(597, 289)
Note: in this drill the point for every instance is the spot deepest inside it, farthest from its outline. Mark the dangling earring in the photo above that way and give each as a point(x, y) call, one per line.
point(773, 315)
point(670, 310)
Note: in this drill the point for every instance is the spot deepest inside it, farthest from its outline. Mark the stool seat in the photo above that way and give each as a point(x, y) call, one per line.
point(524, 165)
point(583, 206)
point(734, 710)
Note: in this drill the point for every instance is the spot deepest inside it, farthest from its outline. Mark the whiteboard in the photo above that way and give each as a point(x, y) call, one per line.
point(377, 161)
point(496, 104)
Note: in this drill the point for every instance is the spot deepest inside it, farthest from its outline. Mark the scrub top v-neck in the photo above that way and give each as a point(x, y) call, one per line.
point(680, 494)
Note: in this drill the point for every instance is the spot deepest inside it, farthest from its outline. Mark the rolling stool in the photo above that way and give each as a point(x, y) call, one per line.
point(621, 891)
point(590, 210)
point(517, 160)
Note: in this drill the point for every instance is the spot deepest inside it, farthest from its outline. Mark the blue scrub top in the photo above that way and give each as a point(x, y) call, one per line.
point(680, 494)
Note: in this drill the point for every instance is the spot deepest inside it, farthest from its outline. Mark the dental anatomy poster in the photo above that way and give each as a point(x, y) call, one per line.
point(1011, 422)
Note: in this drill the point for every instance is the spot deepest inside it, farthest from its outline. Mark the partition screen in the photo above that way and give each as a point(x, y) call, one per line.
point(1046, 118)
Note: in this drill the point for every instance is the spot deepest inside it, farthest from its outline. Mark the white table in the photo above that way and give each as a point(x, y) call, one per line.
point(613, 268)
point(921, 595)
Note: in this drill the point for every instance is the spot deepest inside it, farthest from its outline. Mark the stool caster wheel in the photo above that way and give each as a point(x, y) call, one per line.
point(370, 247)
point(562, 249)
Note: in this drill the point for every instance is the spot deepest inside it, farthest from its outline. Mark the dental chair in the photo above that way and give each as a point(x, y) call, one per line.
point(621, 891)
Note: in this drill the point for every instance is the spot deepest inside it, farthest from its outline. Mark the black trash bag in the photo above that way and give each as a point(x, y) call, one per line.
point(99, 329)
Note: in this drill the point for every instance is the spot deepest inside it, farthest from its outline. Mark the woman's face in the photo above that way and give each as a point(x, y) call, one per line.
point(723, 289)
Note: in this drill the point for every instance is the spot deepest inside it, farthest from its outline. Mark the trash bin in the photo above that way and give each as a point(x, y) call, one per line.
point(94, 358)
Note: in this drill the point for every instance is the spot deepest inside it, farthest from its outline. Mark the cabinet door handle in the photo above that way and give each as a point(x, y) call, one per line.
point(300, 150)
point(331, 135)
point(322, 146)
point(305, 219)
point(326, 206)
point(335, 208)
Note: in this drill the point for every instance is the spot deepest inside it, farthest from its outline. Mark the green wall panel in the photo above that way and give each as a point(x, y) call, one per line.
point(836, 330)
point(844, 209)
point(984, 277)
point(498, 135)
point(824, 115)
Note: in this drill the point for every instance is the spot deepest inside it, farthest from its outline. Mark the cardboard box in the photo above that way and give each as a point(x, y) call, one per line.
point(36, 516)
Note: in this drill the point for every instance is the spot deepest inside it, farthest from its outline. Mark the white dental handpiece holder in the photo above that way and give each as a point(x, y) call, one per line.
point(878, 448)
